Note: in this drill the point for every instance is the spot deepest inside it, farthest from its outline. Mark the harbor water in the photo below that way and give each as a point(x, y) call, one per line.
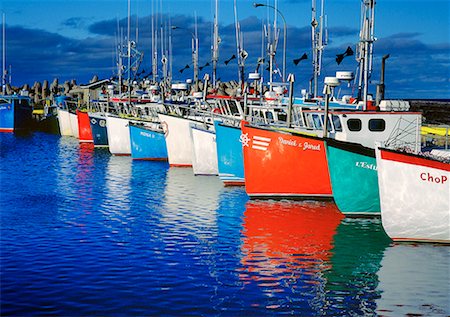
point(85, 233)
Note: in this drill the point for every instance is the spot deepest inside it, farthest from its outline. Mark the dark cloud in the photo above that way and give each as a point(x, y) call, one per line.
point(36, 55)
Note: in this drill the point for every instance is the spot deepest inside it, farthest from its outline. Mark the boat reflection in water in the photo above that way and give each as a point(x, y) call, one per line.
point(190, 202)
point(414, 281)
point(286, 248)
point(352, 280)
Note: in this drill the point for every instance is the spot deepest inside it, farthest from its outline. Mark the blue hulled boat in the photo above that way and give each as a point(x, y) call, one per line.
point(147, 142)
point(229, 154)
point(99, 129)
point(15, 113)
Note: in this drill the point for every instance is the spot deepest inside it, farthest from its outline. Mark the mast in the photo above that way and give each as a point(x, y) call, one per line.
point(366, 48)
point(3, 54)
point(215, 50)
point(318, 43)
point(239, 50)
point(129, 52)
point(154, 46)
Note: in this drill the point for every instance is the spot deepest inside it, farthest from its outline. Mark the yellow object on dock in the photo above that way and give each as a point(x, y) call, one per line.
point(38, 111)
point(436, 130)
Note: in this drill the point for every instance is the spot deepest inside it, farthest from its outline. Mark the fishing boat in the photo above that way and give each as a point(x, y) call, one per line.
point(73, 117)
point(147, 141)
point(46, 119)
point(414, 195)
point(118, 135)
point(97, 121)
point(84, 127)
point(15, 113)
point(295, 160)
point(178, 140)
point(353, 176)
point(229, 154)
point(64, 123)
point(67, 117)
point(177, 128)
point(204, 159)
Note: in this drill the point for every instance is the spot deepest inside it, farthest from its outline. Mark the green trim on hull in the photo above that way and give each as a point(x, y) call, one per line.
point(354, 178)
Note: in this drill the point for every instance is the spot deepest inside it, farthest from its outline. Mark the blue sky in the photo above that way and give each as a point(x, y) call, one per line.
point(75, 39)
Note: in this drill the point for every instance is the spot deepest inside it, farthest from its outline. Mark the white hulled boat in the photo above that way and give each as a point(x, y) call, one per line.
point(204, 159)
point(414, 196)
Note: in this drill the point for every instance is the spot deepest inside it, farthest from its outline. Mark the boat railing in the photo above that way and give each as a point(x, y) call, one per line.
point(403, 133)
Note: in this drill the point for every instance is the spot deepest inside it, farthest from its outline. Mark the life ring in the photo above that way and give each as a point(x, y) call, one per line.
point(217, 110)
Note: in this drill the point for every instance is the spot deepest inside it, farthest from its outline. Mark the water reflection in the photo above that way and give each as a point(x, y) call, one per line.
point(414, 281)
point(286, 247)
point(352, 279)
point(190, 202)
point(118, 189)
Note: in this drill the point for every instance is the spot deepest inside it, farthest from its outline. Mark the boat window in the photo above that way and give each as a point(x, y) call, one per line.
point(377, 125)
point(354, 124)
point(317, 121)
point(282, 116)
point(337, 123)
point(269, 116)
point(310, 122)
point(329, 127)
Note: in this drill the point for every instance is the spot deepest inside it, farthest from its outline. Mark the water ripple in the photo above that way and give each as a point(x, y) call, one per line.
point(84, 233)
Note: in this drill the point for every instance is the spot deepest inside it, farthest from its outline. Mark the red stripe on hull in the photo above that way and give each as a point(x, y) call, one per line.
point(277, 163)
point(180, 165)
point(420, 240)
point(413, 159)
point(6, 130)
point(122, 154)
point(229, 184)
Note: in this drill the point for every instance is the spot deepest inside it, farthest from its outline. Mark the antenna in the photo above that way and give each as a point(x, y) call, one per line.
point(4, 55)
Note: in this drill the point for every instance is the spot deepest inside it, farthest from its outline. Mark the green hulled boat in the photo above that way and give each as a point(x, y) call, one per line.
point(354, 179)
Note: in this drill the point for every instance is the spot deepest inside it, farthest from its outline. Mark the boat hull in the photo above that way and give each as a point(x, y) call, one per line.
point(280, 164)
point(64, 122)
point(178, 140)
point(74, 124)
point(99, 129)
point(118, 135)
point(147, 143)
point(414, 197)
point(15, 114)
point(354, 178)
point(204, 159)
point(230, 159)
point(84, 127)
